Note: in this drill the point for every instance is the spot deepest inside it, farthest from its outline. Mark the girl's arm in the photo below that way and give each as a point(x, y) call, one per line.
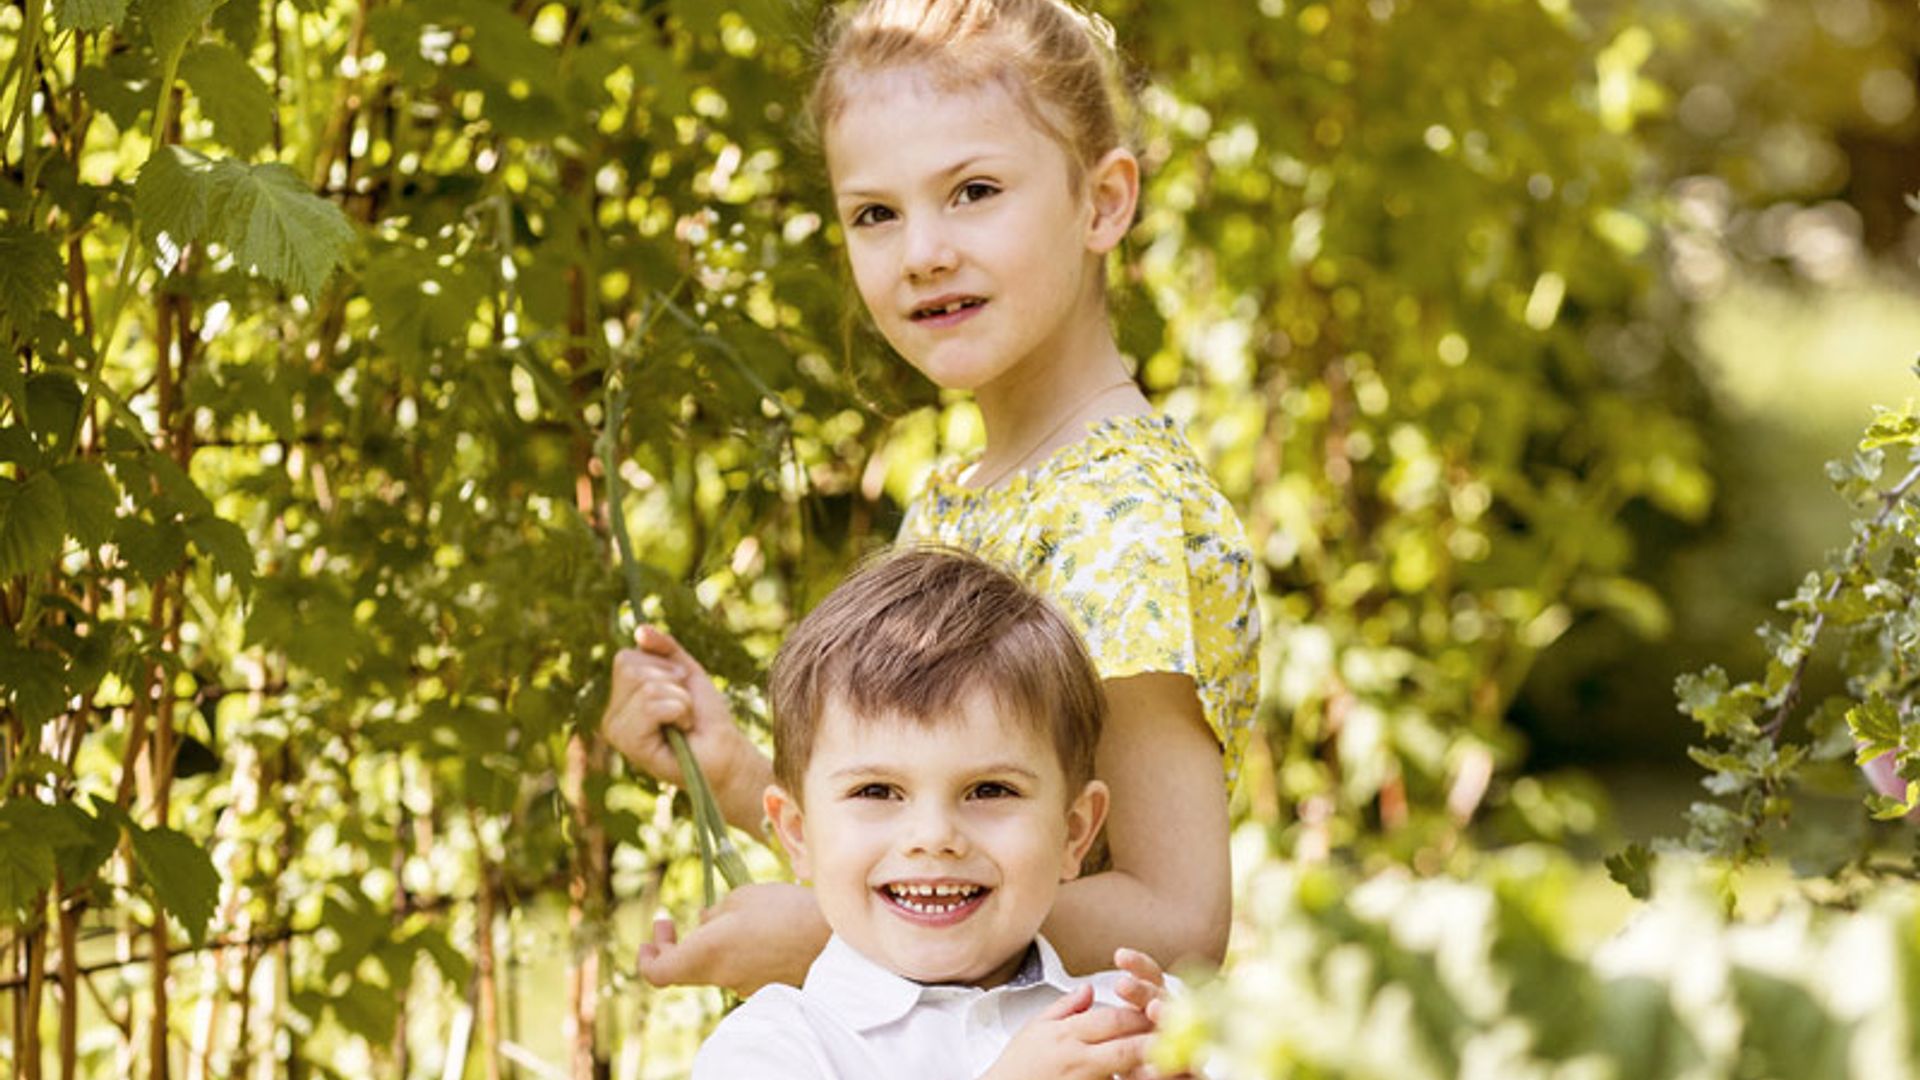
point(1169, 892)
point(658, 685)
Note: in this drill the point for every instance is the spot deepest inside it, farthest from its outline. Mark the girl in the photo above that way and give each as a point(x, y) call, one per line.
point(977, 155)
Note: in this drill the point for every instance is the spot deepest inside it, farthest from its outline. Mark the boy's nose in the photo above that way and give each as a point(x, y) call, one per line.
point(932, 830)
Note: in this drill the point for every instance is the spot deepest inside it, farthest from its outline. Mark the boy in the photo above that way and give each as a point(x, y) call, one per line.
point(934, 726)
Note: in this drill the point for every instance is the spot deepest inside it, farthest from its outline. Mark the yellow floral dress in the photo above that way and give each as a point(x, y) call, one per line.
point(1130, 536)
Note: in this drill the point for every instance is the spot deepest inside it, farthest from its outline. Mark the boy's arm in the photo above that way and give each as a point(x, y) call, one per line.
point(1169, 892)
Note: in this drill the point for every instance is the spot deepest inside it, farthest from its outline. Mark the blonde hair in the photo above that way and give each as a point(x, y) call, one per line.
point(1059, 63)
point(908, 635)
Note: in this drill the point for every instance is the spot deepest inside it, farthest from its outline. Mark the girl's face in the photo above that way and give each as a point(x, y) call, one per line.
point(972, 250)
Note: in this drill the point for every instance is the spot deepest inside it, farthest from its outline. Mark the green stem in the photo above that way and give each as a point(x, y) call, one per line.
point(710, 825)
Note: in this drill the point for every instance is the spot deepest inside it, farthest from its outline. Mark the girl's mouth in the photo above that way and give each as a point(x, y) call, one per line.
point(939, 904)
point(949, 311)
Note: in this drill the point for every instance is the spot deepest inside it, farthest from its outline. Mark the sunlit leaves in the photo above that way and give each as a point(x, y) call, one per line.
point(91, 497)
point(30, 269)
point(231, 94)
point(262, 214)
point(88, 14)
point(181, 875)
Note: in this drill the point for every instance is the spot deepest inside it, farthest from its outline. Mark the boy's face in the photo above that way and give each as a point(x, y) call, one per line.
point(936, 849)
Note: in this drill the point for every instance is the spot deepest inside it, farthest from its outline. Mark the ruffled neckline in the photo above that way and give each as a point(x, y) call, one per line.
point(1105, 436)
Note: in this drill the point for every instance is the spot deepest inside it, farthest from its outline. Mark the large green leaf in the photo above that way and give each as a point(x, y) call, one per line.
point(30, 269)
point(270, 221)
point(91, 497)
point(174, 24)
point(181, 875)
point(33, 520)
point(26, 866)
point(170, 197)
point(230, 94)
point(88, 15)
point(226, 544)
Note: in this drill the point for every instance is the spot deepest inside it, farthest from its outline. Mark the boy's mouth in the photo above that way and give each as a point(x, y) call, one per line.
point(946, 308)
point(934, 901)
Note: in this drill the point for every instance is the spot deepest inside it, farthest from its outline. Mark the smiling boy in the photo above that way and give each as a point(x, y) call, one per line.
point(934, 726)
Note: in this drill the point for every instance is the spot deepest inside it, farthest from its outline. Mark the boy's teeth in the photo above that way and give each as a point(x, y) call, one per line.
point(926, 899)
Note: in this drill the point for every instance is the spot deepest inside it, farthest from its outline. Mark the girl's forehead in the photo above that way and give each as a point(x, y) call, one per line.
point(909, 119)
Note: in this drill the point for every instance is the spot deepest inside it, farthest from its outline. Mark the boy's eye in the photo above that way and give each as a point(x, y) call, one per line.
point(870, 214)
point(872, 791)
point(994, 789)
point(975, 190)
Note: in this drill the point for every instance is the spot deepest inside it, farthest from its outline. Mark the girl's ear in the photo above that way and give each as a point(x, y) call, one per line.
point(1114, 186)
point(1085, 815)
point(789, 824)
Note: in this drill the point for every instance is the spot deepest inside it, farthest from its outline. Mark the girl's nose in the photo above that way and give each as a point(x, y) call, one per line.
point(929, 251)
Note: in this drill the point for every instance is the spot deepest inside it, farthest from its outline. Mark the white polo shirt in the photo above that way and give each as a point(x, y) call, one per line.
point(854, 1020)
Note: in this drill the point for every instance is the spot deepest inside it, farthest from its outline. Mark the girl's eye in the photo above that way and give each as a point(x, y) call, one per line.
point(871, 215)
point(975, 190)
point(994, 789)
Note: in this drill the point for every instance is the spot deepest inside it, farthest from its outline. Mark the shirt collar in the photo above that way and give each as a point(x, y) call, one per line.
point(867, 996)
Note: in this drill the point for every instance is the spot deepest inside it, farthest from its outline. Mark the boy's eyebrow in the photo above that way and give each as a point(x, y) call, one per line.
point(844, 194)
point(883, 769)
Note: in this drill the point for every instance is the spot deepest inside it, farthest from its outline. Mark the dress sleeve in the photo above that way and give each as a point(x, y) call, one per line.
point(1155, 583)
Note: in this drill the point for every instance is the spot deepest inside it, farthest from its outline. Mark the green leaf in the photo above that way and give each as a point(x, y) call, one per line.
point(170, 197)
point(36, 676)
point(26, 867)
point(231, 95)
point(33, 522)
point(174, 24)
point(91, 498)
point(88, 15)
point(30, 270)
point(226, 544)
point(1891, 428)
point(181, 875)
point(53, 404)
point(1633, 868)
point(1875, 723)
point(274, 225)
point(91, 844)
point(152, 550)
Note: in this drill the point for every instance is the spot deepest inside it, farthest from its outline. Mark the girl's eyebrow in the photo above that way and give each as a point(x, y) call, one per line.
point(968, 162)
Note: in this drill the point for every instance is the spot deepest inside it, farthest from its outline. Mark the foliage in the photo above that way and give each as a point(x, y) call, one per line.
point(1760, 748)
point(1496, 975)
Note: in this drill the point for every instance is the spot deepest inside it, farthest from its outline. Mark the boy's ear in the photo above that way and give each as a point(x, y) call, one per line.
point(1085, 815)
point(789, 824)
point(1114, 186)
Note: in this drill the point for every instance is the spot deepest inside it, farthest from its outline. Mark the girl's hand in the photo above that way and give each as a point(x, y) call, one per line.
point(756, 934)
point(1076, 1040)
point(1145, 984)
point(656, 686)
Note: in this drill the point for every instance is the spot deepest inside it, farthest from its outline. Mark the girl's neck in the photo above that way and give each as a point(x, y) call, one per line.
point(1048, 405)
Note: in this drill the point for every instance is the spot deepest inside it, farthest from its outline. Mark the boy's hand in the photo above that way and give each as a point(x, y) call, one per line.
point(1077, 1040)
point(657, 685)
point(755, 935)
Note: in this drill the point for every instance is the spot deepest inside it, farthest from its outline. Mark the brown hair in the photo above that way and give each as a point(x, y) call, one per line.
point(1058, 62)
point(908, 634)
